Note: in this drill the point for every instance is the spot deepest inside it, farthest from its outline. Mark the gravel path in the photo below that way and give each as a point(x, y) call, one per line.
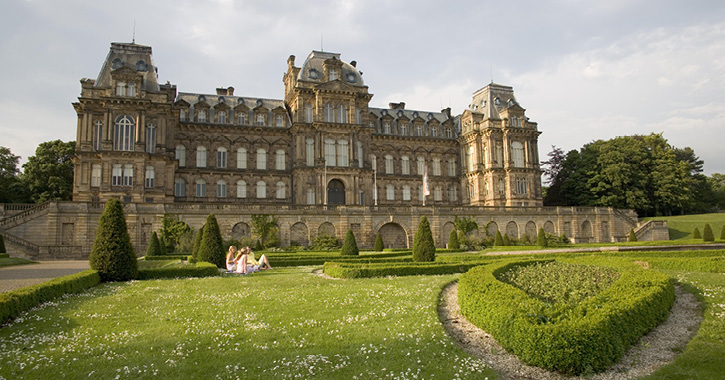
point(18, 276)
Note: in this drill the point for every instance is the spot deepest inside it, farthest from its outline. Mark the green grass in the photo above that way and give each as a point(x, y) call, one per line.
point(681, 227)
point(8, 261)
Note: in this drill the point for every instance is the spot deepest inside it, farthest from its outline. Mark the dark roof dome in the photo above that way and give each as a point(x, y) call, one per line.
point(314, 69)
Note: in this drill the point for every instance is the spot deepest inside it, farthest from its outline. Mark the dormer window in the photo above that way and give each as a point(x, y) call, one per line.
point(386, 128)
point(333, 74)
point(131, 89)
point(511, 102)
point(314, 74)
point(279, 121)
point(497, 102)
point(201, 116)
point(222, 117)
point(141, 66)
point(120, 89)
point(116, 63)
point(260, 119)
point(182, 115)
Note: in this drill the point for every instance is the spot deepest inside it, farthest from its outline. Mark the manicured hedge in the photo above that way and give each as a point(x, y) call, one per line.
point(200, 269)
point(13, 303)
point(704, 264)
point(365, 270)
point(586, 338)
point(4, 255)
point(167, 257)
point(293, 259)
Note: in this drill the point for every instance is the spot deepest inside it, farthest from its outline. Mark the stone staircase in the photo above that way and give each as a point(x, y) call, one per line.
point(29, 214)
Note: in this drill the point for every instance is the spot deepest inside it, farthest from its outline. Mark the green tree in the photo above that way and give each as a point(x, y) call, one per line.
point(2, 244)
point(112, 254)
point(211, 249)
point(154, 248)
point(453, 242)
point(49, 174)
point(379, 246)
point(423, 245)
point(722, 232)
point(506, 240)
point(163, 248)
point(464, 226)
point(8, 175)
point(541, 238)
point(707, 234)
point(498, 240)
point(197, 244)
point(265, 227)
point(349, 247)
point(171, 231)
point(632, 236)
point(696, 234)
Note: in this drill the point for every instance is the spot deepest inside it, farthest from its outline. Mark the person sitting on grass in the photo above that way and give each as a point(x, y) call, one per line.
point(252, 265)
point(231, 262)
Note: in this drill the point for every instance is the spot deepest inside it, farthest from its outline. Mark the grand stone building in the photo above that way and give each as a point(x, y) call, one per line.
point(321, 159)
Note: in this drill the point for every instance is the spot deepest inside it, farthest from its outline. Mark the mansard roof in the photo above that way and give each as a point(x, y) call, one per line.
point(134, 57)
point(313, 69)
point(232, 101)
point(409, 114)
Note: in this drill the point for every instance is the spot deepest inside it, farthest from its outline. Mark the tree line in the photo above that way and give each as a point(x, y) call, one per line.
point(47, 176)
point(640, 172)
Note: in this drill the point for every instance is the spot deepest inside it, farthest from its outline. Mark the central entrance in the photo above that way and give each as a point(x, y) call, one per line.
point(335, 192)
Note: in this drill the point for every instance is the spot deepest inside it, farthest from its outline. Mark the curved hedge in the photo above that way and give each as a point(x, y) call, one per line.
point(200, 269)
point(586, 338)
point(168, 257)
point(394, 268)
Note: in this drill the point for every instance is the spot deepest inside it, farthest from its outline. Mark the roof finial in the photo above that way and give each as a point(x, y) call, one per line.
point(133, 39)
point(321, 46)
point(490, 67)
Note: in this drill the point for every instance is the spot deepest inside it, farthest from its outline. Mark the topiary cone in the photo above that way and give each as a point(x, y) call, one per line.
point(696, 234)
point(707, 233)
point(423, 246)
point(453, 242)
point(211, 248)
point(379, 246)
point(112, 254)
point(349, 247)
point(154, 248)
point(541, 238)
point(498, 240)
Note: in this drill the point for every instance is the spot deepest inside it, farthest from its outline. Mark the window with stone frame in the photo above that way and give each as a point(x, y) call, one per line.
point(221, 158)
point(261, 189)
point(201, 156)
point(149, 180)
point(124, 133)
point(241, 189)
point(200, 188)
point(404, 165)
point(280, 160)
point(96, 175)
point(180, 155)
point(221, 189)
point(261, 159)
point(179, 187)
point(241, 158)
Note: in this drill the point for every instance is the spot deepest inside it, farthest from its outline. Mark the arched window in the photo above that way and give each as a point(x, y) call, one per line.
point(200, 188)
point(261, 159)
point(436, 166)
point(308, 113)
point(124, 133)
point(97, 135)
point(342, 153)
point(281, 192)
point(132, 89)
point(261, 189)
point(280, 160)
point(310, 196)
point(470, 159)
point(404, 165)
point(128, 175)
point(241, 189)
point(341, 114)
point(151, 138)
point(390, 192)
point(241, 158)
point(201, 156)
point(358, 116)
point(222, 115)
point(221, 158)
point(406, 193)
point(120, 88)
point(420, 165)
point(330, 159)
point(309, 151)
point(517, 154)
point(179, 187)
point(149, 178)
point(221, 189)
point(96, 174)
point(329, 113)
point(181, 155)
point(521, 186)
point(388, 164)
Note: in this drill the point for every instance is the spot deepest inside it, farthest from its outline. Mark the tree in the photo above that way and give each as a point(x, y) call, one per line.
point(197, 244)
point(171, 231)
point(211, 249)
point(349, 247)
point(8, 174)
point(506, 240)
point(379, 246)
point(3, 250)
point(49, 174)
point(498, 240)
point(453, 242)
point(163, 249)
point(696, 234)
point(553, 165)
point(541, 238)
point(707, 233)
point(464, 225)
point(154, 248)
point(423, 246)
point(112, 254)
point(265, 227)
point(632, 236)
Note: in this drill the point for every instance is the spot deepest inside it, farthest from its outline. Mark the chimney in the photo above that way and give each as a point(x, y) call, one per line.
point(397, 106)
point(221, 91)
point(353, 64)
point(230, 91)
point(447, 111)
point(291, 61)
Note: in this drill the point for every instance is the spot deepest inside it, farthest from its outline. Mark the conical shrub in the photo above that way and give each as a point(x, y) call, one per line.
point(197, 244)
point(162, 246)
point(112, 254)
point(722, 233)
point(423, 245)
point(707, 233)
point(453, 242)
point(541, 238)
point(211, 248)
point(506, 240)
point(498, 240)
point(349, 247)
point(154, 248)
point(696, 234)
point(632, 236)
point(379, 246)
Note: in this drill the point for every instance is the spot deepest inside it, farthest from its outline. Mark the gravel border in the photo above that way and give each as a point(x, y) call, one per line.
point(654, 350)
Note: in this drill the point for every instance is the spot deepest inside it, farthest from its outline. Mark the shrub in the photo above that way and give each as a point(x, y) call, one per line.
point(15, 302)
point(211, 249)
point(197, 244)
point(423, 246)
point(112, 254)
point(324, 242)
point(163, 247)
point(453, 240)
point(506, 240)
point(3, 250)
point(541, 238)
point(722, 232)
point(202, 269)
point(394, 268)
point(707, 233)
point(172, 229)
point(186, 242)
point(565, 239)
point(379, 246)
point(498, 240)
point(154, 248)
point(696, 234)
point(632, 236)
point(349, 247)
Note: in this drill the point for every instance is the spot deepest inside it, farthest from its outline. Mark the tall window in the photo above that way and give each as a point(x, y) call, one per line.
point(281, 192)
point(221, 189)
point(280, 160)
point(420, 193)
point(404, 165)
point(200, 188)
point(406, 193)
point(517, 154)
point(261, 189)
point(342, 153)
point(150, 138)
point(128, 175)
point(404, 129)
point(117, 175)
point(241, 189)
point(452, 196)
point(341, 114)
point(179, 187)
point(201, 156)
point(436, 166)
point(308, 113)
point(386, 128)
point(149, 178)
point(96, 175)
point(241, 158)
point(182, 115)
point(449, 133)
point(329, 113)
point(132, 89)
point(310, 196)
point(333, 74)
point(221, 158)
point(470, 159)
point(418, 130)
point(97, 135)
point(437, 193)
point(120, 89)
point(521, 186)
point(501, 186)
point(359, 154)
point(279, 121)
point(260, 119)
point(358, 116)
point(390, 192)
point(388, 164)
point(201, 116)
point(421, 165)
point(434, 131)
point(261, 159)
point(241, 118)
point(451, 168)
point(330, 152)
point(222, 115)
point(124, 133)
point(309, 152)
point(499, 153)
point(181, 155)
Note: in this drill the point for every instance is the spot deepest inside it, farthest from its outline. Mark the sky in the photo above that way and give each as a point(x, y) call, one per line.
point(583, 70)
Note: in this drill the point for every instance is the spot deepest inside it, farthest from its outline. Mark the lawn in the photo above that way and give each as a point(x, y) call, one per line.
point(681, 227)
point(8, 261)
